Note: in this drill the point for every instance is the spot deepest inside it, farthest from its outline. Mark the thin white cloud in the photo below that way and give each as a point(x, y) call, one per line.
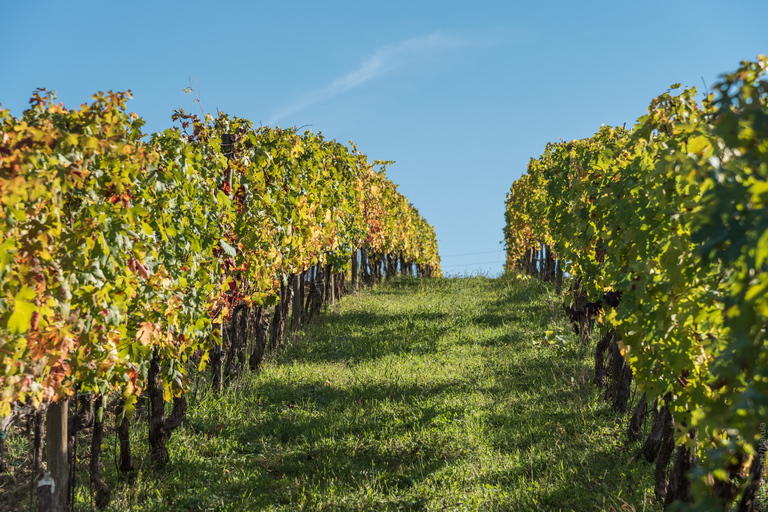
point(385, 59)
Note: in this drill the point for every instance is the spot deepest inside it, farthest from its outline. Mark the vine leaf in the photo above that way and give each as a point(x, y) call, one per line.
point(21, 318)
point(228, 249)
point(146, 333)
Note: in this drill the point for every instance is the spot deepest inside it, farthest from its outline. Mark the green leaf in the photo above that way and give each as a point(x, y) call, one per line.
point(223, 199)
point(762, 250)
point(228, 248)
point(7, 251)
point(129, 407)
point(21, 318)
point(697, 144)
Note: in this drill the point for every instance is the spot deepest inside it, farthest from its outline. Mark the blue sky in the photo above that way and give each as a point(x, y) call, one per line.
point(459, 94)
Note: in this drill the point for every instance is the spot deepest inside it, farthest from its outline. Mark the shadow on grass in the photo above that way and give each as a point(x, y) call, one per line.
point(312, 435)
point(318, 445)
point(564, 447)
point(522, 303)
point(360, 336)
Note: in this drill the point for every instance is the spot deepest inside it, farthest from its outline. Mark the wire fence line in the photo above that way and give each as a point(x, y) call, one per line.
point(472, 253)
point(468, 264)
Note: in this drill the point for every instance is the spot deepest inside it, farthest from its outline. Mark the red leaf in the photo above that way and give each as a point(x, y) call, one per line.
point(138, 268)
point(142, 270)
point(34, 320)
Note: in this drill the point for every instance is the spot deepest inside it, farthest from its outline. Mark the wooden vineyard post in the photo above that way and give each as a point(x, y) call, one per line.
point(52, 489)
point(298, 283)
point(355, 270)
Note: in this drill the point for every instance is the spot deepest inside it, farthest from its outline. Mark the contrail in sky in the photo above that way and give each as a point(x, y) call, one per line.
point(382, 61)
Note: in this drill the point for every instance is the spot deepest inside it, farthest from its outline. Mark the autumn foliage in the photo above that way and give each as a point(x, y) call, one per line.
point(117, 246)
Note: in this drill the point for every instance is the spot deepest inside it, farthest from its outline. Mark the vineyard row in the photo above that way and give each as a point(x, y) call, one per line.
point(664, 230)
point(126, 259)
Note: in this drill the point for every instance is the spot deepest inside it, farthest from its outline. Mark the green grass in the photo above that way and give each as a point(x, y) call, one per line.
point(419, 395)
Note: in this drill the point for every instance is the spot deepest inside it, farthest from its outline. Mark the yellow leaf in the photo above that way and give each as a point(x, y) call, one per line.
point(146, 333)
point(624, 349)
point(203, 361)
point(697, 145)
point(71, 139)
point(21, 317)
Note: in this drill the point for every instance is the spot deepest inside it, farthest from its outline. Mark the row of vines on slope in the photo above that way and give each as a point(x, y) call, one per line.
point(664, 230)
point(124, 260)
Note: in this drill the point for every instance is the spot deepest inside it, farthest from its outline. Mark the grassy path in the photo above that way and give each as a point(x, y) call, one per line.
point(420, 395)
